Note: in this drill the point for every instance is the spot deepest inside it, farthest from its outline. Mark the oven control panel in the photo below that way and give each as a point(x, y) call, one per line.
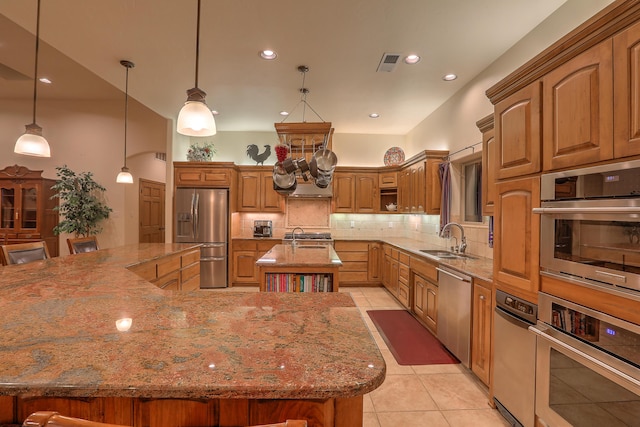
point(516, 306)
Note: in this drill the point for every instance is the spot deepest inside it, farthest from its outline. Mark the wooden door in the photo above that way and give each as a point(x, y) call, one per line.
point(518, 133)
point(151, 203)
point(270, 199)
point(9, 200)
point(516, 249)
point(419, 296)
point(433, 187)
point(375, 261)
point(366, 192)
point(481, 330)
point(488, 164)
point(578, 110)
point(404, 190)
point(431, 306)
point(343, 192)
point(626, 88)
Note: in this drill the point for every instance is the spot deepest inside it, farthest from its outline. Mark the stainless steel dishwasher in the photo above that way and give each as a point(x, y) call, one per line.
point(454, 312)
point(514, 359)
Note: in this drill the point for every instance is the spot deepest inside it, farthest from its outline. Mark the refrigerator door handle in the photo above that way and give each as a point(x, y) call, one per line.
point(212, 258)
point(212, 245)
point(196, 216)
point(192, 212)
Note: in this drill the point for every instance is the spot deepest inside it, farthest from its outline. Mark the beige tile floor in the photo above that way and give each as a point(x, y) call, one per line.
point(420, 396)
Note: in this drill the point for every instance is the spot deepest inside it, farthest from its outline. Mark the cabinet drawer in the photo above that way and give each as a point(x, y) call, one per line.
point(351, 246)
point(190, 272)
point(404, 258)
point(353, 276)
point(353, 256)
point(190, 258)
point(245, 245)
point(353, 266)
point(403, 273)
point(403, 294)
point(214, 177)
point(168, 264)
point(146, 270)
point(192, 284)
point(170, 282)
point(425, 269)
point(209, 177)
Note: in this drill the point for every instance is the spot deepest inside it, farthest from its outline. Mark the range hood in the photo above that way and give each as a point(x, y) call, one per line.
point(309, 190)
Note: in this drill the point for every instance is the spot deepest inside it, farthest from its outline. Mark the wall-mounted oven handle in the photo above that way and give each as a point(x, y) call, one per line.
point(449, 273)
point(589, 210)
point(542, 332)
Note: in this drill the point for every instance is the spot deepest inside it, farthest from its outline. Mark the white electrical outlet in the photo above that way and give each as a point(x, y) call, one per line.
point(353, 224)
point(390, 224)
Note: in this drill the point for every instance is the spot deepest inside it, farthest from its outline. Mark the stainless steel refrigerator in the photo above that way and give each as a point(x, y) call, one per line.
point(202, 217)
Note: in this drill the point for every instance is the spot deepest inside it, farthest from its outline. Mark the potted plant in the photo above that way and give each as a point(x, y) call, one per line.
point(201, 153)
point(81, 203)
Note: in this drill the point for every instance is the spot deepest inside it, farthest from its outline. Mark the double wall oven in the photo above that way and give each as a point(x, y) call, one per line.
point(587, 361)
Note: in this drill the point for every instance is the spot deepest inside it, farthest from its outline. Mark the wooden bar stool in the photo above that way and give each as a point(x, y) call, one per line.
point(22, 253)
point(54, 419)
point(82, 244)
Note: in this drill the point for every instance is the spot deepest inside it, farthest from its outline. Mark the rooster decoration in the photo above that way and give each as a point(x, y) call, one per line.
point(253, 152)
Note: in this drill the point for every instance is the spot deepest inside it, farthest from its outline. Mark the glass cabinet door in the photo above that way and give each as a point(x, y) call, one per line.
point(7, 207)
point(29, 211)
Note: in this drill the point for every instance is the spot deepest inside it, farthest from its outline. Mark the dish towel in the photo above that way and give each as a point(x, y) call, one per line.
point(445, 202)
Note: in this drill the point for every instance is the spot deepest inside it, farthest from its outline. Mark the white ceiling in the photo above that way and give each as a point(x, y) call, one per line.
point(341, 41)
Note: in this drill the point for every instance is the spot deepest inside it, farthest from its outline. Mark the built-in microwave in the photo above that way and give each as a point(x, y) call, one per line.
point(590, 225)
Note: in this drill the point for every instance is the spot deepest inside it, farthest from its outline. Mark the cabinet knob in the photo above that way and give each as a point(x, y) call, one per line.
point(482, 297)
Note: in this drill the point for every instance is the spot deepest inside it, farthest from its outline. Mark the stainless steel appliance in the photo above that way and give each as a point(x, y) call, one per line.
point(514, 360)
point(262, 228)
point(590, 225)
point(454, 312)
point(202, 217)
point(588, 368)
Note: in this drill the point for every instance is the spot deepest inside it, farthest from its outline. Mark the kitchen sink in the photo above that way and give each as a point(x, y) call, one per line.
point(439, 253)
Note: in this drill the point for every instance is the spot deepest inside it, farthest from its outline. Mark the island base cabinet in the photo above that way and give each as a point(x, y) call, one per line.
point(139, 412)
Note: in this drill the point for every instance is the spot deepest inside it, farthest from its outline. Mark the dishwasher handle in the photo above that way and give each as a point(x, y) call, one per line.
point(452, 274)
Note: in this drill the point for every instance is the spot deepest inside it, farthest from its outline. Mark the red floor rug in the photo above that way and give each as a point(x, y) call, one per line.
point(409, 341)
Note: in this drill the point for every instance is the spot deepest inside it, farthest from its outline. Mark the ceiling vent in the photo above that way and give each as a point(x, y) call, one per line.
point(388, 62)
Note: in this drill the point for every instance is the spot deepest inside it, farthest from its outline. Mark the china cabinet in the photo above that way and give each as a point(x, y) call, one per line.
point(26, 208)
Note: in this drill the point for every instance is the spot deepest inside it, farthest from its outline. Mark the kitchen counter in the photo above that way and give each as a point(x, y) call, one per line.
point(301, 255)
point(59, 337)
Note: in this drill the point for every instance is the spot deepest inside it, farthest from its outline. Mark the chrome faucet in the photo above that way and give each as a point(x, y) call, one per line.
point(293, 234)
point(463, 240)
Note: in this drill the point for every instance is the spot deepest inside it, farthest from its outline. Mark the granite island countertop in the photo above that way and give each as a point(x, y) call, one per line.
point(59, 336)
point(300, 255)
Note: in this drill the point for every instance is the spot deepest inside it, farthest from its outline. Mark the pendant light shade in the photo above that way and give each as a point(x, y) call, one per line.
point(125, 177)
point(195, 118)
point(32, 143)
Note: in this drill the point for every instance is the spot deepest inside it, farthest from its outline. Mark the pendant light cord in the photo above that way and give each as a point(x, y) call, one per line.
point(35, 72)
point(126, 113)
point(197, 43)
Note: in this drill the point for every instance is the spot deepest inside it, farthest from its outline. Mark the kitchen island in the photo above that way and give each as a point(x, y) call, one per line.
point(84, 336)
point(299, 268)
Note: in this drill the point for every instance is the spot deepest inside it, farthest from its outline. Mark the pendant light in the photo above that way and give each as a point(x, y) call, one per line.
point(124, 177)
point(195, 118)
point(32, 143)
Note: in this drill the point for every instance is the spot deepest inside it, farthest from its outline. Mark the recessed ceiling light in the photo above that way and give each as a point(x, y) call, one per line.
point(374, 115)
point(449, 77)
point(412, 59)
point(284, 113)
point(215, 112)
point(268, 54)
point(45, 80)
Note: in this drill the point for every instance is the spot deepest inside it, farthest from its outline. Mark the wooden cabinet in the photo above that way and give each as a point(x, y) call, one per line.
point(256, 193)
point(203, 174)
point(578, 110)
point(482, 315)
point(518, 130)
point(244, 254)
point(404, 287)
point(404, 190)
point(433, 198)
point(388, 184)
point(360, 262)
point(388, 180)
point(419, 187)
point(425, 293)
point(516, 253)
point(355, 192)
point(26, 209)
point(626, 92)
point(390, 269)
point(488, 164)
point(176, 272)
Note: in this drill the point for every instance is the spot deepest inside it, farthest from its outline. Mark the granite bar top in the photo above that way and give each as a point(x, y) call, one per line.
point(59, 336)
point(301, 255)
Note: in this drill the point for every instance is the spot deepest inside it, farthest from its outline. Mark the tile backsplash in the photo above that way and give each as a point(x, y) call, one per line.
point(315, 216)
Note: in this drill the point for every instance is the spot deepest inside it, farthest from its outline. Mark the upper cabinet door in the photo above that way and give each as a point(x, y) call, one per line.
point(578, 110)
point(488, 164)
point(366, 193)
point(518, 133)
point(626, 86)
point(344, 192)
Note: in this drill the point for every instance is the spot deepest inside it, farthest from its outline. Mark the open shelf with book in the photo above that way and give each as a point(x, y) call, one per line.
point(298, 282)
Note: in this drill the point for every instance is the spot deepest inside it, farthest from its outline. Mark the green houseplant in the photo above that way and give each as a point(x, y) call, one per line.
point(81, 203)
